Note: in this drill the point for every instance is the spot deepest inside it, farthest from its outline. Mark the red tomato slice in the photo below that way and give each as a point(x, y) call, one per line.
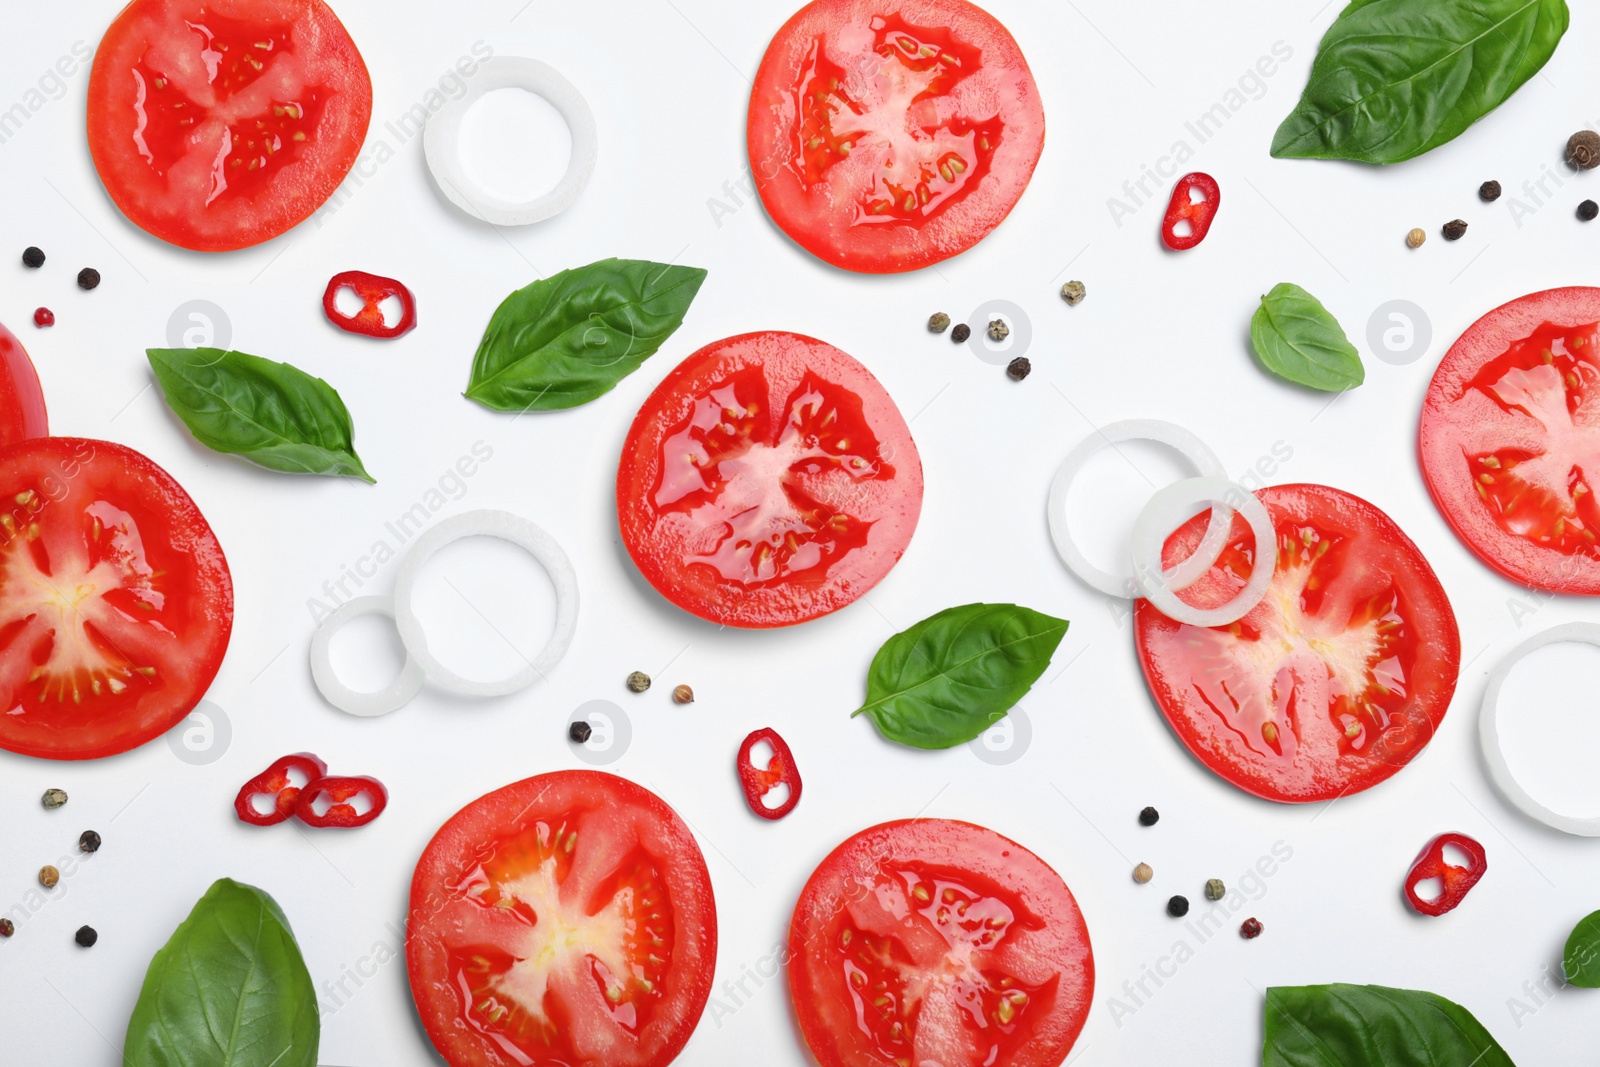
point(1510, 439)
point(885, 136)
point(937, 942)
point(116, 604)
point(768, 480)
point(1333, 682)
point(22, 413)
point(219, 124)
point(564, 920)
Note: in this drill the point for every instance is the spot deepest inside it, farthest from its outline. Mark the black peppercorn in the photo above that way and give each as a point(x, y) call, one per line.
point(86, 936)
point(1178, 907)
point(1250, 929)
point(960, 334)
point(33, 256)
point(1018, 369)
point(89, 841)
point(1455, 231)
point(1588, 211)
point(88, 278)
point(1583, 150)
point(1149, 817)
point(1489, 192)
point(580, 732)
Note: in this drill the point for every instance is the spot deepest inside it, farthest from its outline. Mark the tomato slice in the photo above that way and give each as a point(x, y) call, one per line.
point(22, 412)
point(116, 604)
point(886, 135)
point(564, 920)
point(219, 124)
point(1510, 439)
point(768, 480)
point(930, 941)
point(1333, 682)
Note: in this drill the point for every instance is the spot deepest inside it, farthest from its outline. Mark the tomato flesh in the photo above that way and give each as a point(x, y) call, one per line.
point(563, 920)
point(116, 604)
point(768, 480)
point(885, 137)
point(219, 125)
point(933, 941)
point(1336, 680)
point(1510, 439)
point(22, 410)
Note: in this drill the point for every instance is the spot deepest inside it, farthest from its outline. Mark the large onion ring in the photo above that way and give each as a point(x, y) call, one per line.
point(1172, 507)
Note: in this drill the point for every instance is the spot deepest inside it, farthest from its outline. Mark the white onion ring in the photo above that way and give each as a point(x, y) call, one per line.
point(441, 143)
point(525, 535)
point(1186, 444)
point(392, 697)
point(1586, 633)
point(1169, 509)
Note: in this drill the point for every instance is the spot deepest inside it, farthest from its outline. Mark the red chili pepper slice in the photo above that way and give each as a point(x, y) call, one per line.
point(373, 289)
point(1457, 880)
point(759, 781)
point(341, 814)
point(275, 782)
point(1197, 213)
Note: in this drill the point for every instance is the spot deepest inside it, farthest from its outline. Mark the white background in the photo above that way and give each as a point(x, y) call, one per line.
point(1160, 336)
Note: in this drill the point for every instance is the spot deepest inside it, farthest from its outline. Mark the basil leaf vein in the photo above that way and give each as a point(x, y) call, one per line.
point(1299, 340)
point(229, 989)
point(568, 339)
point(1372, 1026)
point(1581, 959)
point(272, 414)
point(1396, 78)
point(950, 677)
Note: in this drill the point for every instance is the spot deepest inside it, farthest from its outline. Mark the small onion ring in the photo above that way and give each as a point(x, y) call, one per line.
point(392, 697)
point(441, 142)
point(1187, 445)
point(1586, 633)
point(517, 531)
point(1172, 507)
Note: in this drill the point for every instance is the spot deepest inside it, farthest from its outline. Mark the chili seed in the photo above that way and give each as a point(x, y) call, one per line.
point(1149, 817)
point(1018, 369)
point(1178, 907)
point(54, 798)
point(1489, 192)
point(88, 278)
point(89, 841)
point(7, 928)
point(1588, 210)
point(49, 876)
point(938, 322)
point(86, 936)
point(1417, 237)
point(1583, 150)
point(998, 330)
point(1250, 929)
point(960, 334)
point(33, 256)
point(683, 695)
point(43, 317)
point(1073, 293)
point(1455, 231)
point(580, 732)
point(1215, 890)
point(638, 682)
point(1143, 873)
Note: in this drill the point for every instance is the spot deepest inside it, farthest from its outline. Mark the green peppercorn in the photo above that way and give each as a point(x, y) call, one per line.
point(938, 322)
point(1178, 907)
point(998, 330)
point(89, 841)
point(960, 334)
point(1073, 293)
point(1215, 890)
point(638, 682)
point(580, 732)
point(54, 798)
point(86, 936)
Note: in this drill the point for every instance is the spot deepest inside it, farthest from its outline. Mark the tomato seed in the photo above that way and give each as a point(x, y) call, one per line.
point(1178, 907)
point(33, 256)
point(1149, 817)
point(43, 317)
point(1489, 192)
point(86, 936)
point(1250, 929)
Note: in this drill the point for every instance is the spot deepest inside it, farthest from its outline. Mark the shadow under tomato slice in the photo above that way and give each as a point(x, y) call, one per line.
point(116, 603)
point(1336, 680)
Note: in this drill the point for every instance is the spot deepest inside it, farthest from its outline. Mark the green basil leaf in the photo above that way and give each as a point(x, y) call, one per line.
point(1297, 339)
point(568, 339)
point(1581, 960)
point(272, 414)
point(230, 989)
point(1396, 78)
point(1371, 1026)
point(952, 676)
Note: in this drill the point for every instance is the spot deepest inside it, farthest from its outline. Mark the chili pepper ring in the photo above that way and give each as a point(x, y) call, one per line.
point(517, 531)
point(441, 143)
point(1500, 774)
point(392, 697)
